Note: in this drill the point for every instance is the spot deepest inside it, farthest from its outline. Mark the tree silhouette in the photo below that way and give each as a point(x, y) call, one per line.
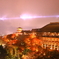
point(3, 52)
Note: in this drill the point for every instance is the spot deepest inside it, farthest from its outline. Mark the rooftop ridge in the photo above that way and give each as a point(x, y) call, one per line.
point(53, 22)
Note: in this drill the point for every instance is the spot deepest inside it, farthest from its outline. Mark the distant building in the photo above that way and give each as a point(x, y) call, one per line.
point(49, 35)
point(19, 31)
point(26, 32)
point(36, 31)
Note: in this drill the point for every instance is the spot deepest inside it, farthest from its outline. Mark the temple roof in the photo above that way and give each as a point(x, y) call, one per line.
point(51, 27)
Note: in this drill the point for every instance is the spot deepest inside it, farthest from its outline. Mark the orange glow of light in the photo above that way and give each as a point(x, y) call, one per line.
point(33, 48)
point(37, 50)
point(33, 35)
point(6, 40)
point(16, 34)
point(26, 40)
point(28, 48)
point(13, 35)
point(12, 42)
point(33, 41)
point(36, 41)
point(19, 30)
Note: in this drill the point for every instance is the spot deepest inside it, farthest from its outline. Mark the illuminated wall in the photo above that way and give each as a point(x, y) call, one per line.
point(50, 40)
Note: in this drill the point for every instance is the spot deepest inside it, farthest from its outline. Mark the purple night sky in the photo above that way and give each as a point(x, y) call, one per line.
point(15, 8)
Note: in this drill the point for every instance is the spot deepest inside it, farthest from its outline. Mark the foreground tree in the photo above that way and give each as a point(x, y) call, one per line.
point(3, 52)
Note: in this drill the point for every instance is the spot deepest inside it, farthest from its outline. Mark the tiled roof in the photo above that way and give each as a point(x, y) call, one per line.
point(52, 27)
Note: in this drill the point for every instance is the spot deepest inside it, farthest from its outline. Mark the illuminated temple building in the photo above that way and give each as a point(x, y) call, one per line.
point(48, 38)
point(49, 35)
